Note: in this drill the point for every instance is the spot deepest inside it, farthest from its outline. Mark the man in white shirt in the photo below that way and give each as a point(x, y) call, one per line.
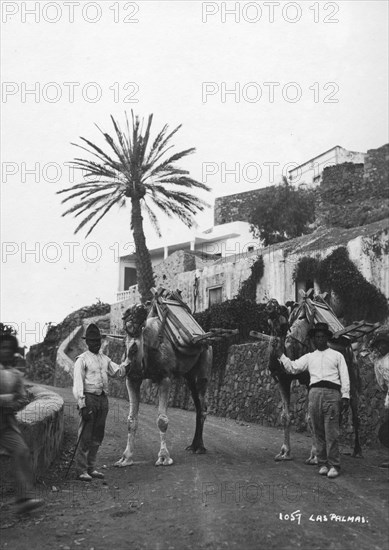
point(90, 389)
point(329, 395)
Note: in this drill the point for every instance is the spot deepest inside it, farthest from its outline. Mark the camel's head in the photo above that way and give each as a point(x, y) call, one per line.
point(134, 318)
point(272, 307)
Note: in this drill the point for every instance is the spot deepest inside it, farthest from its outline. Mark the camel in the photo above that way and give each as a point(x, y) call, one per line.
point(150, 354)
point(296, 343)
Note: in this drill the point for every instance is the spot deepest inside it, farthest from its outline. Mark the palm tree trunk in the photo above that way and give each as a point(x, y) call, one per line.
point(142, 256)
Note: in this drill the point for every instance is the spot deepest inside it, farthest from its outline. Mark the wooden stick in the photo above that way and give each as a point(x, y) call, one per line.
point(261, 336)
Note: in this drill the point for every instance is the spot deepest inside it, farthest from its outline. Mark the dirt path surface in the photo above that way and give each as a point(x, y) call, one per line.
point(232, 497)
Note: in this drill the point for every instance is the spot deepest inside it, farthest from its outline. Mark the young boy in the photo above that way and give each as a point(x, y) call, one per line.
point(90, 389)
point(12, 399)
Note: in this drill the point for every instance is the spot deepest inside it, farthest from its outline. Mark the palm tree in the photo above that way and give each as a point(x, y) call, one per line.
point(145, 175)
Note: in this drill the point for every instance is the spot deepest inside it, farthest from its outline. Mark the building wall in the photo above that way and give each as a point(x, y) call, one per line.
point(369, 253)
point(125, 262)
point(310, 172)
point(371, 256)
point(227, 273)
point(206, 248)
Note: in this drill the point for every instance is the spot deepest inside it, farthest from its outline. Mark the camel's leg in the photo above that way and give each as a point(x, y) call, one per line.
point(133, 388)
point(284, 454)
point(163, 422)
point(312, 459)
point(357, 452)
point(198, 388)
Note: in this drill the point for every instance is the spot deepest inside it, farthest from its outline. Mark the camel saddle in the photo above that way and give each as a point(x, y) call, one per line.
point(178, 324)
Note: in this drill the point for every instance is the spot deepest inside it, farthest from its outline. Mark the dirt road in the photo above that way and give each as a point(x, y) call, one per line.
point(235, 496)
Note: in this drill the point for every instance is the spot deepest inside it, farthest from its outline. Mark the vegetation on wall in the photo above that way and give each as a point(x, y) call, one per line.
point(306, 269)
point(248, 289)
point(283, 213)
point(244, 315)
point(359, 298)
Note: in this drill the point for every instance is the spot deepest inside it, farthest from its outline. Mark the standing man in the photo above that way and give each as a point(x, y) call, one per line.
point(13, 399)
point(381, 367)
point(90, 389)
point(329, 395)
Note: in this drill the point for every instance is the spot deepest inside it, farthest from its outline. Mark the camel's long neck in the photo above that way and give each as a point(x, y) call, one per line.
point(297, 342)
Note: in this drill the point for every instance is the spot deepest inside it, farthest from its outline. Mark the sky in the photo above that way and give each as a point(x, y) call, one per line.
point(257, 86)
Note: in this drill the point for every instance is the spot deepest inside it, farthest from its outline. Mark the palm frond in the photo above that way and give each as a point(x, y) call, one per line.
point(172, 210)
point(83, 205)
point(106, 209)
point(88, 192)
point(179, 198)
point(146, 138)
point(172, 159)
point(161, 147)
point(153, 219)
point(77, 186)
point(101, 155)
point(90, 216)
point(156, 143)
point(184, 182)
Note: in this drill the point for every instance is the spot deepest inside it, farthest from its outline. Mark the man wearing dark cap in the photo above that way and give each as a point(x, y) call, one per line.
point(380, 345)
point(90, 389)
point(329, 395)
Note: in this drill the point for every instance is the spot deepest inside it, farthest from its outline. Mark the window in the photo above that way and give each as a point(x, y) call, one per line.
point(129, 277)
point(308, 285)
point(215, 295)
point(303, 285)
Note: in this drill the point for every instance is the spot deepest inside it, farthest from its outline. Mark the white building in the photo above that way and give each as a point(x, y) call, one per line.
point(220, 241)
point(309, 173)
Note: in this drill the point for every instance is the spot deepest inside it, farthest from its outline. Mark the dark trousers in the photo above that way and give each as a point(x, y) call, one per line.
point(92, 434)
point(324, 410)
point(13, 443)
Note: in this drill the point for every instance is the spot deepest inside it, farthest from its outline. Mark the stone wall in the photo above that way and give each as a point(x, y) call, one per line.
point(351, 195)
point(237, 207)
point(377, 170)
point(178, 262)
point(41, 423)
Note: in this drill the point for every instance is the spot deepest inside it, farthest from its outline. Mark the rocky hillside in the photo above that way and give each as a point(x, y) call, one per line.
point(41, 357)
